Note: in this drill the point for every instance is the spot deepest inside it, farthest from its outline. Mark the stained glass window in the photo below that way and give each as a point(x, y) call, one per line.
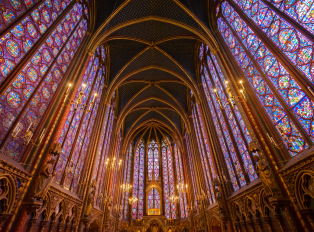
point(300, 10)
point(103, 150)
point(138, 182)
point(76, 134)
point(284, 83)
point(34, 87)
point(192, 167)
point(168, 180)
point(15, 44)
point(181, 182)
point(274, 86)
point(205, 165)
point(68, 137)
point(215, 85)
point(126, 181)
point(153, 160)
point(115, 173)
point(292, 42)
point(153, 200)
point(224, 138)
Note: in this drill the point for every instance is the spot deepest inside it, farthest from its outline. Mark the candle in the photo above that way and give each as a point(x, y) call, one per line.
point(270, 138)
point(215, 90)
point(310, 90)
point(241, 83)
point(17, 129)
point(242, 93)
point(69, 86)
point(42, 135)
point(29, 126)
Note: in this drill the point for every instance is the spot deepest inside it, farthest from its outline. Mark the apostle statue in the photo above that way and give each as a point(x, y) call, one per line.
point(47, 174)
point(90, 202)
point(264, 172)
point(218, 195)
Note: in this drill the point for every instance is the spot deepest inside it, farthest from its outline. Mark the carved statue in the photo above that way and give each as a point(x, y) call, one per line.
point(218, 195)
point(47, 174)
point(264, 172)
point(90, 202)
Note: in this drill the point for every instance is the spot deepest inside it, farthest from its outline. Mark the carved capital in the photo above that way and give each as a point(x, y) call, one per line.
point(33, 207)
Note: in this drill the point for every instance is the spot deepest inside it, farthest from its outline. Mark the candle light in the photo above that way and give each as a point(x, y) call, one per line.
point(242, 93)
point(95, 95)
point(226, 83)
point(215, 90)
point(69, 86)
point(241, 83)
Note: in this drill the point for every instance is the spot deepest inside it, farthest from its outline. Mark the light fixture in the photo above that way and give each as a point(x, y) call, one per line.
point(182, 188)
point(28, 135)
point(232, 98)
point(126, 187)
point(78, 102)
point(218, 99)
point(133, 200)
point(174, 199)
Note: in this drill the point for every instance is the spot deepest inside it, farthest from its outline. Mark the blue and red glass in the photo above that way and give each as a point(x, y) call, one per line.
point(297, 100)
point(291, 137)
point(37, 83)
point(14, 45)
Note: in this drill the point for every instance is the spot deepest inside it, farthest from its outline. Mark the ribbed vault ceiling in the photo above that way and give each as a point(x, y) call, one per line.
point(152, 52)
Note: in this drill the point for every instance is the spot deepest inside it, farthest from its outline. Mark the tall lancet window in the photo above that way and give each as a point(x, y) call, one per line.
point(153, 160)
point(29, 90)
point(227, 119)
point(103, 149)
point(126, 182)
point(168, 180)
point(153, 201)
point(192, 167)
point(78, 128)
point(181, 183)
point(205, 153)
point(117, 164)
point(138, 181)
point(279, 90)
